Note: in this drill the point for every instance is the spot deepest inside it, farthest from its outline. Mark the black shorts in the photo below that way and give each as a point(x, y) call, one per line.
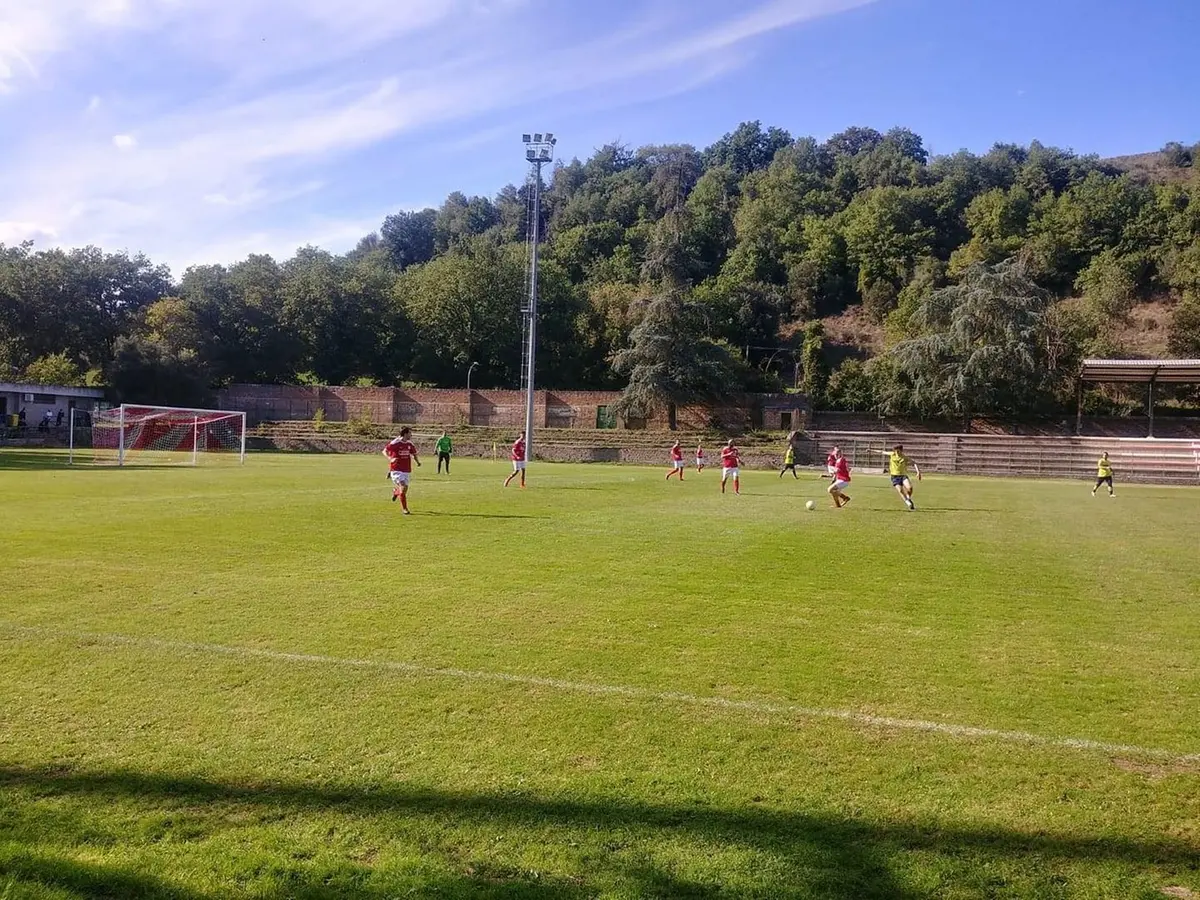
point(1104, 479)
point(898, 480)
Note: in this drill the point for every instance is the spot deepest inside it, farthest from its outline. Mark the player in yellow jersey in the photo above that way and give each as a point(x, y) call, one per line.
point(898, 465)
point(1104, 474)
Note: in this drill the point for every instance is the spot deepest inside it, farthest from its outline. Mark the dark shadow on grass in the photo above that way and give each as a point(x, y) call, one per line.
point(31, 460)
point(17, 459)
point(109, 882)
point(458, 515)
point(84, 879)
point(811, 855)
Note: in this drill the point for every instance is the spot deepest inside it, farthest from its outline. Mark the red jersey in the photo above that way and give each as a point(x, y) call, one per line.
point(831, 461)
point(842, 469)
point(699, 453)
point(518, 450)
point(677, 454)
point(729, 458)
point(400, 454)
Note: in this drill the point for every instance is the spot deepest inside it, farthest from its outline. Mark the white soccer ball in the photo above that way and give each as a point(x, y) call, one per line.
point(810, 505)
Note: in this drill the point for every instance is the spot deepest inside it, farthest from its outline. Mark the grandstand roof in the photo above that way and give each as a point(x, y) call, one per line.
point(1163, 371)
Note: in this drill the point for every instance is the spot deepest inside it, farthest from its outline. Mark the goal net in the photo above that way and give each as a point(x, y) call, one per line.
point(157, 435)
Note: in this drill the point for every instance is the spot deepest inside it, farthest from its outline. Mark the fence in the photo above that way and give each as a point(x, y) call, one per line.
point(1134, 459)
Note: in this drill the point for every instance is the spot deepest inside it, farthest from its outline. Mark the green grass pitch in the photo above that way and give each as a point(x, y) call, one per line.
point(265, 682)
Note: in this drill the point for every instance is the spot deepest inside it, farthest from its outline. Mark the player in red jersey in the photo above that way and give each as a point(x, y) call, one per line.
point(831, 463)
point(676, 461)
point(518, 460)
point(401, 453)
point(699, 458)
point(841, 479)
point(730, 467)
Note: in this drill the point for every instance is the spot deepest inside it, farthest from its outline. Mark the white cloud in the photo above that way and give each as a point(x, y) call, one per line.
point(16, 232)
point(34, 30)
point(273, 97)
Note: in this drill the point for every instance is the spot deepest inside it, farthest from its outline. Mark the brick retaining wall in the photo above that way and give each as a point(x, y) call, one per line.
point(495, 409)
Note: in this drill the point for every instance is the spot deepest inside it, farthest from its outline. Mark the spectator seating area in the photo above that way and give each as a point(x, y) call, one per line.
point(1134, 459)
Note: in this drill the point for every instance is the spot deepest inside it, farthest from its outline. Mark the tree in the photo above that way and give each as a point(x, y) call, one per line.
point(998, 221)
point(669, 361)
point(983, 346)
point(1177, 155)
point(465, 306)
point(813, 365)
point(318, 312)
point(674, 169)
point(712, 205)
point(146, 371)
point(747, 148)
point(174, 324)
point(409, 237)
point(851, 388)
point(1185, 328)
point(56, 368)
point(1109, 285)
point(886, 232)
point(853, 141)
point(1092, 216)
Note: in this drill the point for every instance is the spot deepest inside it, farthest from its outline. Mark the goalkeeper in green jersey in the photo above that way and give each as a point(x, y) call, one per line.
point(444, 448)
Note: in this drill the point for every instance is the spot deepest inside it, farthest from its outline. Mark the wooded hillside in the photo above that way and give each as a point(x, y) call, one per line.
point(884, 279)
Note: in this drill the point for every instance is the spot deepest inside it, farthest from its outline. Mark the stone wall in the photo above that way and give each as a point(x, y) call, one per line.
point(499, 409)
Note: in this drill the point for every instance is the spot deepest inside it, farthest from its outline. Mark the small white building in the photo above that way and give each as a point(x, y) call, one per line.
point(38, 399)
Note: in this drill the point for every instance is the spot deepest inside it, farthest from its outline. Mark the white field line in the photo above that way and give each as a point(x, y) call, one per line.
point(676, 698)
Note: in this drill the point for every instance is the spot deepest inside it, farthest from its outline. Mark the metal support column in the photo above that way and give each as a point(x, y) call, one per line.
point(1150, 403)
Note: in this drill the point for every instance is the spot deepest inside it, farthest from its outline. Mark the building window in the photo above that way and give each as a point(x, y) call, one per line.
point(785, 421)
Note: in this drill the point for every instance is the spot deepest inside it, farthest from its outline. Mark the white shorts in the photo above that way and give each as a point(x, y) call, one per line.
point(518, 465)
point(677, 463)
point(838, 485)
point(399, 478)
point(729, 473)
point(830, 470)
point(699, 462)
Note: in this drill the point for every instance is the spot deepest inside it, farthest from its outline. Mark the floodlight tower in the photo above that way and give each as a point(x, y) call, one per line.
point(539, 150)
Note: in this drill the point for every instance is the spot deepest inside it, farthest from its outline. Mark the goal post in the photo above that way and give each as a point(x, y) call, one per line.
point(158, 435)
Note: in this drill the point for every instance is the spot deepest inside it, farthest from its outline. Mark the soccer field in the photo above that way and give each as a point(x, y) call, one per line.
point(265, 682)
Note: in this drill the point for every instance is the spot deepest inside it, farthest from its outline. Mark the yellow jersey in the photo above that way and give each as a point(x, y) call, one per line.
point(1104, 468)
point(897, 464)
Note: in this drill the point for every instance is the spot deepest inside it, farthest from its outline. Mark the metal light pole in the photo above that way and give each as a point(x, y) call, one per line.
point(539, 149)
point(470, 406)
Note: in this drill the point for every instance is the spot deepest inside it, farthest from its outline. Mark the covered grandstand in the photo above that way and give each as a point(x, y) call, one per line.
point(1150, 372)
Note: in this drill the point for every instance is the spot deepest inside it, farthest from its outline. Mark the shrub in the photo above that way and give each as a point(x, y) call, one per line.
point(362, 424)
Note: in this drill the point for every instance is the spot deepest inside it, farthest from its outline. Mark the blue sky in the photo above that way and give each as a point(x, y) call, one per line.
point(205, 130)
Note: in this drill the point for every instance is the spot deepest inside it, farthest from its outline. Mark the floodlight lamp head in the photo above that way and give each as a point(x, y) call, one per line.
point(539, 146)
